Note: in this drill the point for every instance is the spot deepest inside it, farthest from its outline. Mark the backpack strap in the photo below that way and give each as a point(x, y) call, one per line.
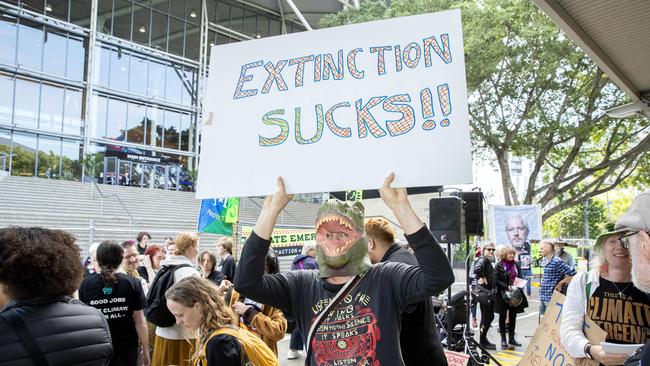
point(337, 298)
point(18, 325)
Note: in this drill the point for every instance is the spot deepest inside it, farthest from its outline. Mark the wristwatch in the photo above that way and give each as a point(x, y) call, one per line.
point(588, 350)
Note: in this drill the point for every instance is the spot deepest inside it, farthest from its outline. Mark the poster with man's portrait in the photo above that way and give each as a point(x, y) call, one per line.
point(516, 226)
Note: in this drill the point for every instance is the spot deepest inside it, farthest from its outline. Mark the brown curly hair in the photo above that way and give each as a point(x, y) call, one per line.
point(38, 262)
point(215, 313)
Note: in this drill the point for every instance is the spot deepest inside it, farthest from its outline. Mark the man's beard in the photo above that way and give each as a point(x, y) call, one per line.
point(640, 267)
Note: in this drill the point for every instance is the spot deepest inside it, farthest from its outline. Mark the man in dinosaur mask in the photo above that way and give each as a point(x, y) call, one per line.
point(363, 327)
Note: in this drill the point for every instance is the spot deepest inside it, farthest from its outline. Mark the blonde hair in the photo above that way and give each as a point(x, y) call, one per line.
point(226, 243)
point(185, 241)
point(215, 314)
point(503, 250)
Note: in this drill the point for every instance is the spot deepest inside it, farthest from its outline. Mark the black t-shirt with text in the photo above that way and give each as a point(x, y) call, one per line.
point(621, 310)
point(117, 303)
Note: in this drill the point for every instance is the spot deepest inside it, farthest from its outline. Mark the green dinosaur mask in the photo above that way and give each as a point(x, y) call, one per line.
point(342, 246)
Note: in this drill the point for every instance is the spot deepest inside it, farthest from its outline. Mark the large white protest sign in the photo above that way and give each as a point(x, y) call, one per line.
point(338, 109)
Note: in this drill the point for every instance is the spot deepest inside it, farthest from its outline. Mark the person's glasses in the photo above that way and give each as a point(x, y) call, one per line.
point(625, 239)
point(490, 249)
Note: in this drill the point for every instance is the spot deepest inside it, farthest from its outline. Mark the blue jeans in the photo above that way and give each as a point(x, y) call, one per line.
point(527, 274)
point(296, 340)
point(542, 307)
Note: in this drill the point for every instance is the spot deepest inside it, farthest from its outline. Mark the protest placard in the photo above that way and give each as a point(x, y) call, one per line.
point(545, 349)
point(456, 358)
point(338, 109)
point(286, 241)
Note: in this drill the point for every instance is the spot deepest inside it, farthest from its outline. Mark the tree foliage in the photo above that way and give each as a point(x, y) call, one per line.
point(569, 223)
point(533, 94)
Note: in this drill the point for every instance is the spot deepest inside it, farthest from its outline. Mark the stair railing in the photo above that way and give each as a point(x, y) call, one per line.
point(103, 196)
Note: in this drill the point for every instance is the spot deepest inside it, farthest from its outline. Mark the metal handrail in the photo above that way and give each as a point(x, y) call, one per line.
point(117, 197)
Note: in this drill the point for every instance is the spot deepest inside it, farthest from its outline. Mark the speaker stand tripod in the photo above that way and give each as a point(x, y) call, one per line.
point(471, 345)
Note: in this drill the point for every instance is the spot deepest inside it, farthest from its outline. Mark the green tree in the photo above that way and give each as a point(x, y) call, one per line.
point(534, 94)
point(569, 223)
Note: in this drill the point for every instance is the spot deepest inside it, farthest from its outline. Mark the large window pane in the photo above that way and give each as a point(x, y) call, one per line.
point(187, 132)
point(98, 119)
point(156, 87)
point(154, 120)
point(30, 44)
point(58, 9)
point(172, 129)
point(136, 125)
point(105, 16)
point(159, 122)
point(6, 99)
point(24, 149)
point(159, 31)
point(161, 5)
point(51, 112)
point(5, 149)
point(189, 84)
point(80, 12)
point(193, 11)
point(174, 84)
point(177, 8)
point(192, 41)
point(49, 157)
point(76, 58)
point(26, 104)
point(54, 49)
point(116, 120)
point(138, 70)
point(102, 66)
point(175, 39)
point(122, 13)
point(34, 5)
point(237, 18)
point(119, 74)
point(8, 36)
point(72, 112)
point(141, 24)
point(71, 160)
point(94, 161)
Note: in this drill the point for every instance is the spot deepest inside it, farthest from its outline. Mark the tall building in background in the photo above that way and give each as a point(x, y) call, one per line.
point(118, 102)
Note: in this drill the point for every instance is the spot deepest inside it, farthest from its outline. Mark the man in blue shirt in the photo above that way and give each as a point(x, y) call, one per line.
point(556, 274)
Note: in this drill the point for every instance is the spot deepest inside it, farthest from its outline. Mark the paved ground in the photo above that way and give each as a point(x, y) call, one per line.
point(526, 325)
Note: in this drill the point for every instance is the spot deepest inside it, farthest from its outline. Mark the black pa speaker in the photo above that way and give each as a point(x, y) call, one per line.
point(446, 219)
point(473, 212)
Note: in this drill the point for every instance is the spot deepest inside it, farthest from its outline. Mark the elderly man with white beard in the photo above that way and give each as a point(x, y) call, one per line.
point(636, 222)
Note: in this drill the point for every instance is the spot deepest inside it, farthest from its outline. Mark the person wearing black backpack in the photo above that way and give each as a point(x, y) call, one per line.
point(170, 345)
point(121, 299)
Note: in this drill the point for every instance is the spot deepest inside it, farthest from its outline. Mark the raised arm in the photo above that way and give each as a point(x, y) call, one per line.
point(250, 279)
point(434, 274)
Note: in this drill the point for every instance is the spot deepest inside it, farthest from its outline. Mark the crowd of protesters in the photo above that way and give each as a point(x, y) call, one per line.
point(57, 310)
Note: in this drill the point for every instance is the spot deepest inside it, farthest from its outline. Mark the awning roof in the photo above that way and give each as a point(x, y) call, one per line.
point(615, 35)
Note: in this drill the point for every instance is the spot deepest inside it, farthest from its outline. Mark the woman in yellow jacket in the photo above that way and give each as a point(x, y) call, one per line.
point(266, 321)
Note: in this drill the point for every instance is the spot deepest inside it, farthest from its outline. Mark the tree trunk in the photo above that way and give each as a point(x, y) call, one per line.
point(509, 192)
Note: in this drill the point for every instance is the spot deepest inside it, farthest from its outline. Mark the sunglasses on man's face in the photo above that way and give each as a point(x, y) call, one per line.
point(490, 249)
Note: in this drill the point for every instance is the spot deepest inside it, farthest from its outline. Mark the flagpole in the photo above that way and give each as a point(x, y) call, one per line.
point(234, 232)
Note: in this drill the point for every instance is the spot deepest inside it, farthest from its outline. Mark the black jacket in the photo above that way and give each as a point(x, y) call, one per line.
point(483, 269)
point(418, 338)
point(67, 331)
point(501, 279)
point(228, 268)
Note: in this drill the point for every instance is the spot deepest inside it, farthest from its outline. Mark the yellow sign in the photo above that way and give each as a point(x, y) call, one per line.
point(285, 240)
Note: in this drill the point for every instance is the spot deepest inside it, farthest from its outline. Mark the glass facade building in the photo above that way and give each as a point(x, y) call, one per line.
point(110, 90)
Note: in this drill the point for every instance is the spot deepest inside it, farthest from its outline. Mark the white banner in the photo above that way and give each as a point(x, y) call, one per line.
point(338, 109)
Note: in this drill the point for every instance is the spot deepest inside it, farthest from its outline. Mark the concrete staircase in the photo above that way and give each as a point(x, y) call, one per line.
point(80, 209)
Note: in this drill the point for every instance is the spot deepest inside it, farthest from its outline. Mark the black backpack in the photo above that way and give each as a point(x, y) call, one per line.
point(156, 310)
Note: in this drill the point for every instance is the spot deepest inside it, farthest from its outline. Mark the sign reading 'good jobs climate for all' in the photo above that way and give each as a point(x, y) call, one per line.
point(338, 109)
